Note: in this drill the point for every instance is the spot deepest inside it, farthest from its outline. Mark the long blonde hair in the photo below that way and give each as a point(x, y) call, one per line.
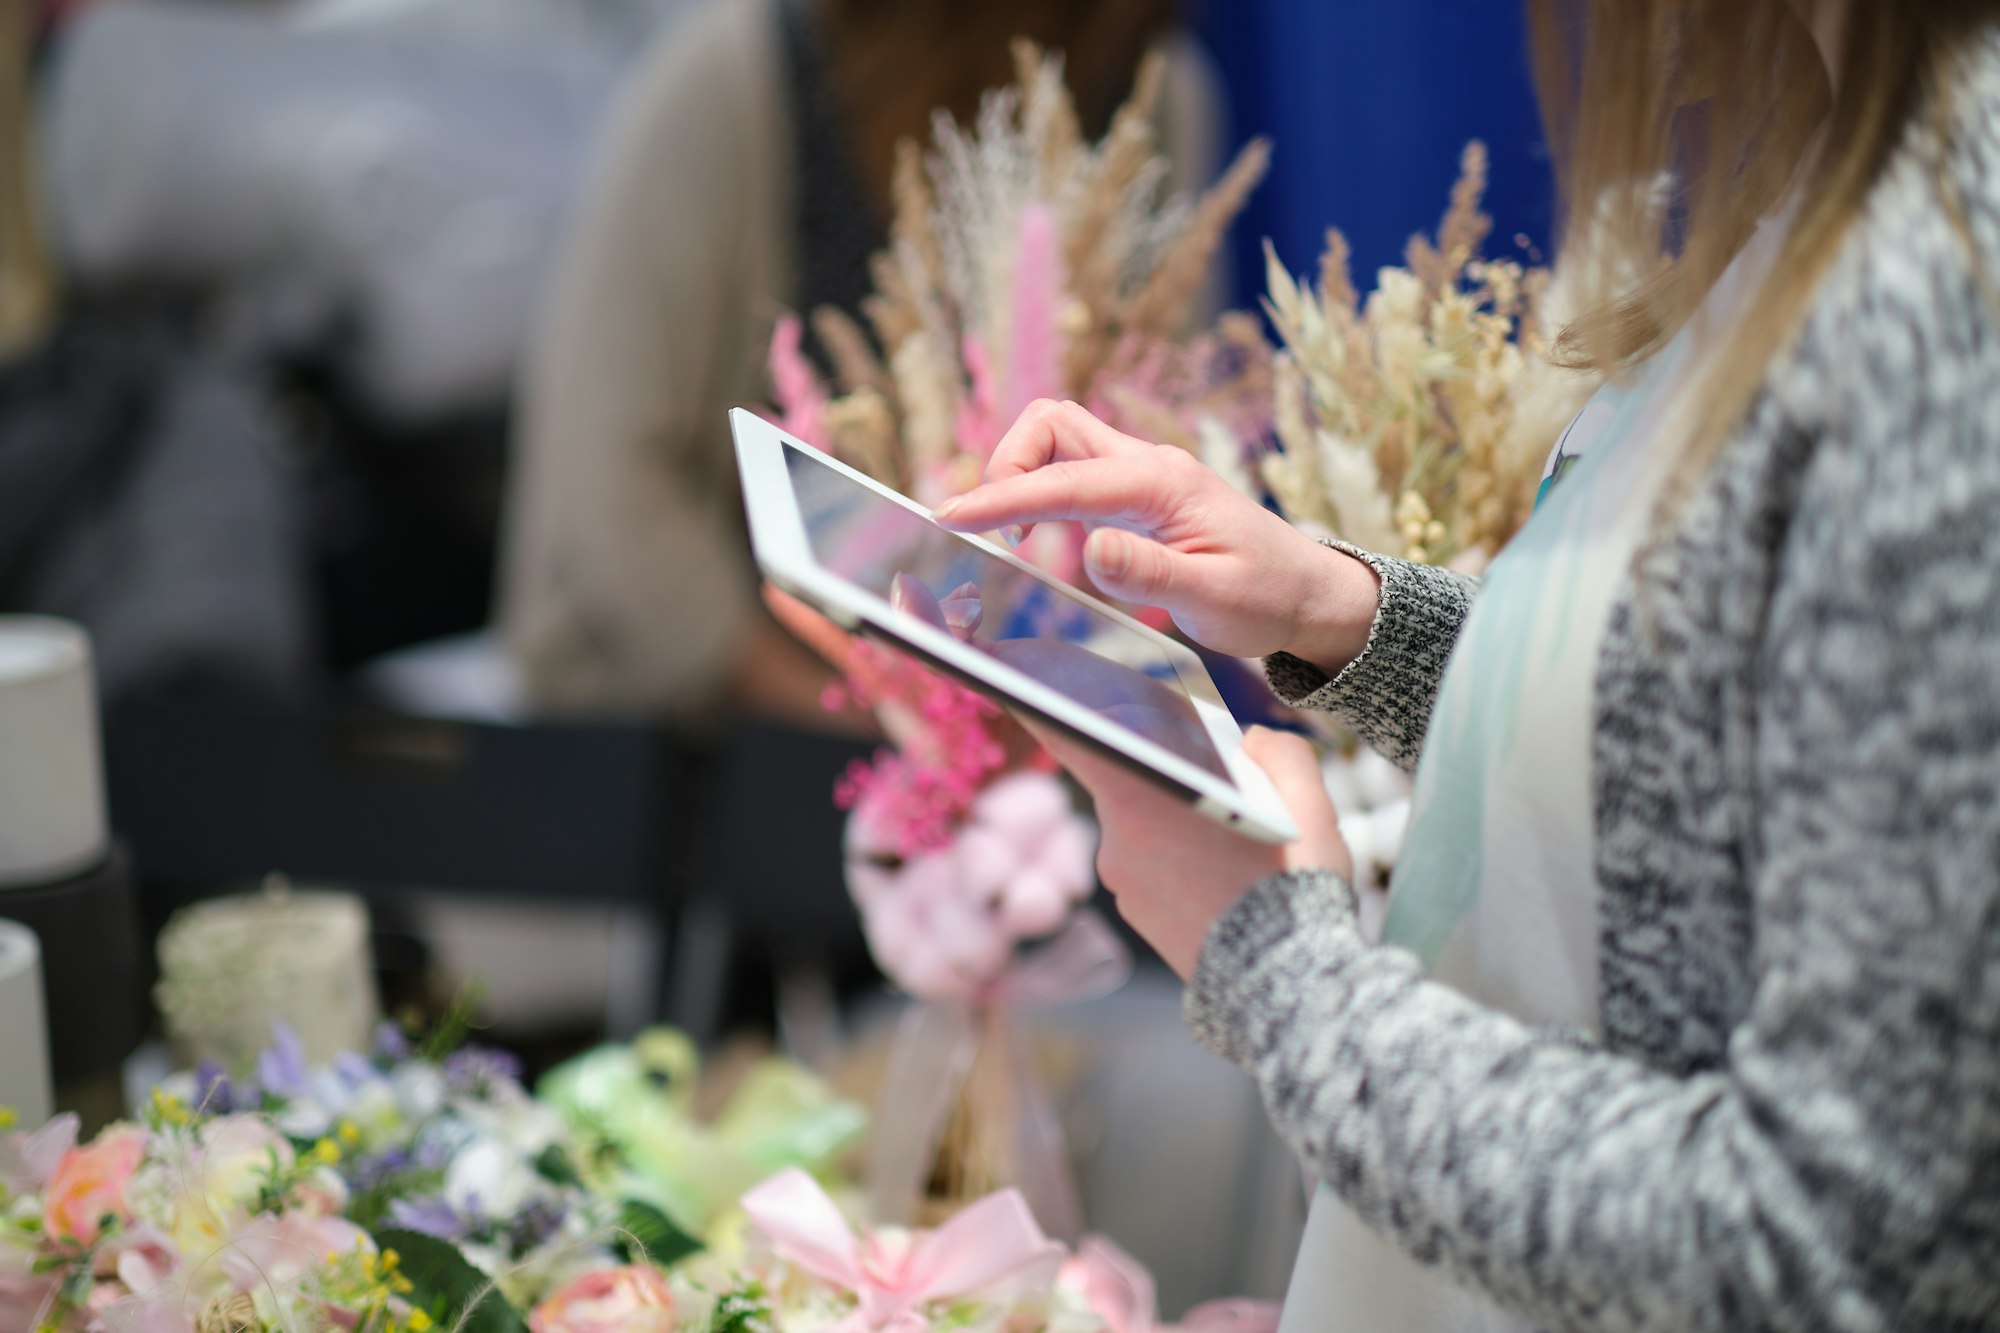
point(1729, 102)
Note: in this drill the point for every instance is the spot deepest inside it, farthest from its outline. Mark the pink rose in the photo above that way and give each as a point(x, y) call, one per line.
point(617, 1300)
point(89, 1184)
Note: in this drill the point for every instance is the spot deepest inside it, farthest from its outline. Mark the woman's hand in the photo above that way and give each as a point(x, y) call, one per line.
point(1168, 532)
point(1174, 872)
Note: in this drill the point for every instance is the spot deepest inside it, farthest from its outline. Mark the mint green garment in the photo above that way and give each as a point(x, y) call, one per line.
point(1494, 889)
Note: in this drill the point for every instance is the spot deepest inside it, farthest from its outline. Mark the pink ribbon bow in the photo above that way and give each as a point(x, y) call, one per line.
point(991, 1242)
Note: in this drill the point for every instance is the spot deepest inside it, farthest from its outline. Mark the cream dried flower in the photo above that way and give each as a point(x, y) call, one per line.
point(1415, 421)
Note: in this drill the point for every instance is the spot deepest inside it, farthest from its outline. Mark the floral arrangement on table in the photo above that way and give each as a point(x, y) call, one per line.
point(378, 1193)
point(1024, 263)
point(1416, 422)
point(412, 1191)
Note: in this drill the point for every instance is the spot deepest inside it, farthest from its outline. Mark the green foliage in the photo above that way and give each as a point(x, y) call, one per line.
point(653, 1233)
point(745, 1310)
point(443, 1284)
point(553, 1165)
point(369, 1208)
point(454, 1027)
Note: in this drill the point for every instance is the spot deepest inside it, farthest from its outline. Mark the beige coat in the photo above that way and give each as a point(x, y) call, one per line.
point(627, 586)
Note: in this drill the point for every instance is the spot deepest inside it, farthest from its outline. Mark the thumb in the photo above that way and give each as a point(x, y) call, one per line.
point(1130, 567)
point(1293, 766)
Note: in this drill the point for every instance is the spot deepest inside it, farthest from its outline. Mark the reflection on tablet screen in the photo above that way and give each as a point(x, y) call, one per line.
point(924, 571)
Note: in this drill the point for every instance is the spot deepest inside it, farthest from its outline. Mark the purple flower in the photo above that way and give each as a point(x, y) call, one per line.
point(373, 1171)
point(480, 1071)
point(390, 1043)
point(430, 1216)
point(282, 1068)
point(541, 1219)
point(353, 1070)
point(215, 1093)
point(431, 1153)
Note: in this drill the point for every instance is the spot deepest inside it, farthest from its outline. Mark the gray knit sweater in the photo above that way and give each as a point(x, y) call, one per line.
point(1792, 1120)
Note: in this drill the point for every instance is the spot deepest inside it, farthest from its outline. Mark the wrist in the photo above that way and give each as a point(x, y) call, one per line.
point(1336, 611)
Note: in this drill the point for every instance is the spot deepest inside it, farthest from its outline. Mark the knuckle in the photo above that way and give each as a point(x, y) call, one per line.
point(1179, 464)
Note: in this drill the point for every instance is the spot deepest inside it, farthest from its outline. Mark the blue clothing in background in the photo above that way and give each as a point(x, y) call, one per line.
point(1369, 103)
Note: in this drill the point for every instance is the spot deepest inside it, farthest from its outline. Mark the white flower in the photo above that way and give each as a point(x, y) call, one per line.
point(419, 1090)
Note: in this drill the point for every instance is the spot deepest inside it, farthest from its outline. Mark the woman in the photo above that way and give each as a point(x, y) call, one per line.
point(1731, 699)
point(746, 167)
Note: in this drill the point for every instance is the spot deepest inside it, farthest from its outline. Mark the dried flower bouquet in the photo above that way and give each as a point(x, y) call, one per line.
point(1416, 422)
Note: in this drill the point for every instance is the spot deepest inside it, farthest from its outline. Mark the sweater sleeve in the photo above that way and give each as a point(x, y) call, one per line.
point(1387, 693)
point(1849, 1137)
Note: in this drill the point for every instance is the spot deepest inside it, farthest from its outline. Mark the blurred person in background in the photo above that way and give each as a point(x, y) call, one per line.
point(747, 168)
point(138, 492)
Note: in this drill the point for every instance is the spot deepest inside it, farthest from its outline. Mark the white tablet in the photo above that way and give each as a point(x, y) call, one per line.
point(873, 561)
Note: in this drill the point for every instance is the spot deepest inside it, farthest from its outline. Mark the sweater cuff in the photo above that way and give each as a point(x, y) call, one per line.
point(1386, 693)
point(1248, 959)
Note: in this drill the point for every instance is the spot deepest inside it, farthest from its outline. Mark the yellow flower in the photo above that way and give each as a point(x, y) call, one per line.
point(349, 1132)
point(325, 1153)
point(419, 1322)
point(9, 1117)
point(169, 1109)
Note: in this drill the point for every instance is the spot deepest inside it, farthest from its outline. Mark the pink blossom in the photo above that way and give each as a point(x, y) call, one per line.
point(943, 924)
point(89, 1182)
point(913, 799)
point(281, 1251)
point(1028, 852)
point(634, 1299)
point(141, 1258)
point(926, 933)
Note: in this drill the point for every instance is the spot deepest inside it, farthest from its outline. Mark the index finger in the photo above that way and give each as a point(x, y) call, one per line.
point(1051, 432)
point(1119, 490)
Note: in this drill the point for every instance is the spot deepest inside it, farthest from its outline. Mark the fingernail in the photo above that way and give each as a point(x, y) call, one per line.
point(945, 510)
point(1013, 534)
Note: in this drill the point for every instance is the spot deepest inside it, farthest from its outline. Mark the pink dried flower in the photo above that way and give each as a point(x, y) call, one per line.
point(800, 395)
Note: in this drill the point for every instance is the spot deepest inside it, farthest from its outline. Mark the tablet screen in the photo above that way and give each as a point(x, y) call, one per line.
point(922, 570)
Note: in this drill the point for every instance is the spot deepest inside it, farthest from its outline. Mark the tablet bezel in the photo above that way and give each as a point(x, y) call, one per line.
point(1247, 802)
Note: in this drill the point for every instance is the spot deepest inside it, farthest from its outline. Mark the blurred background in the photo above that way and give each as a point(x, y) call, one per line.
point(328, 332)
